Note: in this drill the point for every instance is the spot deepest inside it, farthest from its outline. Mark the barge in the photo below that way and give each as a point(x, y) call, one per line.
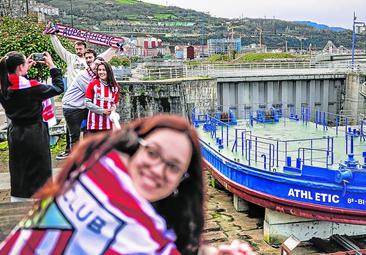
point(302, 162)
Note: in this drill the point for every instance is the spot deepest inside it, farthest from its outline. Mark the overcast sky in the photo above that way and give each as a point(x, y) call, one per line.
point(328, 12)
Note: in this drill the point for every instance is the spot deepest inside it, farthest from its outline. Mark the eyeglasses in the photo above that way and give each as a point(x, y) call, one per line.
point(171, 169)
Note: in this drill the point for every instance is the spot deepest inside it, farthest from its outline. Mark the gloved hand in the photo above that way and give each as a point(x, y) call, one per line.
point(120, 44)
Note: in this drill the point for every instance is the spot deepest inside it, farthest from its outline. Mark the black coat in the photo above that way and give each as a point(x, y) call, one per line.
point(28, 138)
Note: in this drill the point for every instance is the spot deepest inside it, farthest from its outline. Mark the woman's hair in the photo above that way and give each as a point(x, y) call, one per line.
point(111, 81)
point(183, 212)
point(8, 65)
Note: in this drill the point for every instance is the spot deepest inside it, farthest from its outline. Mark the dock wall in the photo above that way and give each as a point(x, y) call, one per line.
point(325, 92)
point(334, 93)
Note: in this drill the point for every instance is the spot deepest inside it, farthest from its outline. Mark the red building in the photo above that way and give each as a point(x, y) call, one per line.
point(190, 52)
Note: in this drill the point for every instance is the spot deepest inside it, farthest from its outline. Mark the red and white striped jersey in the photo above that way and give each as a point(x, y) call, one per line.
point(100, 214)
point(103, 96)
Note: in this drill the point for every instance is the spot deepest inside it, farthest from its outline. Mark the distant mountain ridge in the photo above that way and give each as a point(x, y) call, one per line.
point(320, 26)
point(177, 25)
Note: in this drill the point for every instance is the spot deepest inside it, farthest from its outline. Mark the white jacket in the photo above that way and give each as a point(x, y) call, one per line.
point(74, 63)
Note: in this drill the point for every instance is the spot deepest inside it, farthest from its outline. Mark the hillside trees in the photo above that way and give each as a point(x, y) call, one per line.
point(25, 35)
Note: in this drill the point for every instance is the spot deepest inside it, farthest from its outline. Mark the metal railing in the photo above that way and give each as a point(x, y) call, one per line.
point(215, 70)
point(274, 153)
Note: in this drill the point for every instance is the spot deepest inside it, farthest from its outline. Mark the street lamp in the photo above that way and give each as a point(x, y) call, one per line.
point(72, 14)
point(359, 24)
point(27, 6)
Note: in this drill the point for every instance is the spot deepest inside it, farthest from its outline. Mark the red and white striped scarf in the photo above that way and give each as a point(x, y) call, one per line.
point(101, 213)
point(19, 82)
point(91, 73)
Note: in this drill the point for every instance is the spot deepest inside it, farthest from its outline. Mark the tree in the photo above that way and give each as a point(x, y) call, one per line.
point(118, 61)
point(25, 35)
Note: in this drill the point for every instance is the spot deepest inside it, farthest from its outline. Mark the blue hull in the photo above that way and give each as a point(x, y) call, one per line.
point(310, 192)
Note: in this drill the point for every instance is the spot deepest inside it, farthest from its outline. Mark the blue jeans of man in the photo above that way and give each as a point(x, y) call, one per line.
point(74, 118)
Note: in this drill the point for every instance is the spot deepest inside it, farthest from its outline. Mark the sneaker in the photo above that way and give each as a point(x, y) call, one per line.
point(62, 155)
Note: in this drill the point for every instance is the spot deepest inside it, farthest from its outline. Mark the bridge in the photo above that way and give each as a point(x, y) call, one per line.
point(179, 70)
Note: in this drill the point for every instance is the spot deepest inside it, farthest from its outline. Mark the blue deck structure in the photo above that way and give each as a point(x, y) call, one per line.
point(309, 164)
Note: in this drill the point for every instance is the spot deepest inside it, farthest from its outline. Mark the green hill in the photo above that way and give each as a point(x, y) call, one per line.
point(177, 25)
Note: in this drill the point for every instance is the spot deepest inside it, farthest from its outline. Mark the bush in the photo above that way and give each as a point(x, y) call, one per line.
point(25, 35)
point(218, 57)
point(255, 57)
point(119, 61)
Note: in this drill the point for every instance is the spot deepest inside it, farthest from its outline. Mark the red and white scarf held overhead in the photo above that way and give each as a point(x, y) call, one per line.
point(20, 82)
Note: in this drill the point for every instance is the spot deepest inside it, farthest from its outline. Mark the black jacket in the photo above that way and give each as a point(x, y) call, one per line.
point(28, 138)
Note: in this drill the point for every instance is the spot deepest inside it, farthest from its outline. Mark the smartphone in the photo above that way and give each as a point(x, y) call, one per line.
point(38, 57)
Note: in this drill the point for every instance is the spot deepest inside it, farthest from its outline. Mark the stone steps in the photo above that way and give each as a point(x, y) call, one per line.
point(10, 215)
point(5, 181)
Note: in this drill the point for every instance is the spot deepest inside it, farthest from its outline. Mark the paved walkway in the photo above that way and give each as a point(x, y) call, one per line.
point(5, 180)
point(5, 183)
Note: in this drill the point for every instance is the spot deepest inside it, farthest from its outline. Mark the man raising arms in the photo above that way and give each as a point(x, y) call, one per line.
point(75, 63)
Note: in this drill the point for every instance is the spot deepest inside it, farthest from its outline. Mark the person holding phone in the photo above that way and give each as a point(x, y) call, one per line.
point(28, 138)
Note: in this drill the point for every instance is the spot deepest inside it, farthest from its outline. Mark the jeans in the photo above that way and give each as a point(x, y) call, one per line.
point(74, 118)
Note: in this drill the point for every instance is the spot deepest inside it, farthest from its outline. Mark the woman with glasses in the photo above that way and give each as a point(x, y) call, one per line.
point(138, 190)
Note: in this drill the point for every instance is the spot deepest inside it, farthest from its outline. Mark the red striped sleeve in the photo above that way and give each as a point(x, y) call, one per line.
point(90, 90)
point(90, 95)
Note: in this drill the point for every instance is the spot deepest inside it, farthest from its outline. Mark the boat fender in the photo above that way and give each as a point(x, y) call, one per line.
point(364, 160)
point(288, 161)
point(298, 163)
point(344, 176)
point(217, 140)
